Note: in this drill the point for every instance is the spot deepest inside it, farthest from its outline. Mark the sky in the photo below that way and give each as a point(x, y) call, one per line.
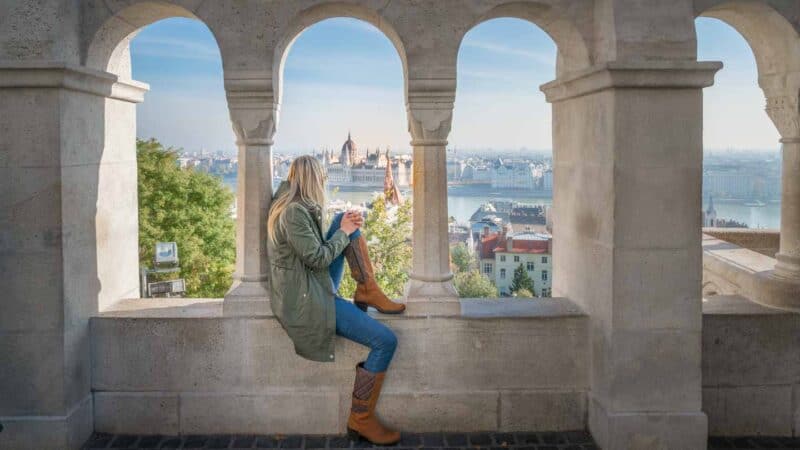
point(344, 75)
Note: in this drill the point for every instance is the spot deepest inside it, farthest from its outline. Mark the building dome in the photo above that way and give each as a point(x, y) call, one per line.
point(349, 151)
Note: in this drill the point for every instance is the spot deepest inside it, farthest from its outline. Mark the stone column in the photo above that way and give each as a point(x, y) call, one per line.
point(627, 157)
point(784, 110)
point(68, 240)
point(430, 113)
point(788, 265)
point(254, 115)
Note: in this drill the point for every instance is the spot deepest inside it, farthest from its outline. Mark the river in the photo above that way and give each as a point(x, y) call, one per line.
point(463, 201)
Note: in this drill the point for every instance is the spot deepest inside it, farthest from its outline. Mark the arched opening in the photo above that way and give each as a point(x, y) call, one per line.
point(163, 163)
point(741, 155)
point(500, 176)
point(342, 91)
point(775, 45)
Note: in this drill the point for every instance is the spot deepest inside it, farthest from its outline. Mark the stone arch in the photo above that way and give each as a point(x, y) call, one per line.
point(315, 14)
point(776, 46)
point(573, 53)
point(108, 46)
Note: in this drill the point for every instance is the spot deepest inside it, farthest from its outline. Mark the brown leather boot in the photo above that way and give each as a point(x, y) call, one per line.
point(368, 293)
point(363, 424)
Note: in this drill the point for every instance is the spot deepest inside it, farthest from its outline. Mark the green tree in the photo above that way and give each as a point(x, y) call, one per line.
point(388, 235)
point(473, 284)
point(461, 258)
point(190, 208)
point(521, 280)
point(523, 293)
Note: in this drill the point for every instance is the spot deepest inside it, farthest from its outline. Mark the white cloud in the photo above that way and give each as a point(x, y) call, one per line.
point(164, 47)
point(540, 57)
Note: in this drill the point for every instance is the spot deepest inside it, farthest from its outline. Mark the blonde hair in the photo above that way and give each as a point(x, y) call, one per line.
point(306, 180)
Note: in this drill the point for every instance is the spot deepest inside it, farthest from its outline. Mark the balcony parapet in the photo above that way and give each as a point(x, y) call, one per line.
point(733, 270)
point(763, 241)
point(174, 366)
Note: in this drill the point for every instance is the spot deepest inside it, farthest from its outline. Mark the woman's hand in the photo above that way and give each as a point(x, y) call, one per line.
point(351, 221)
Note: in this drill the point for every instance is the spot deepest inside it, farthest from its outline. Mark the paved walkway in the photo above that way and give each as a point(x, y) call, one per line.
point(572, 440)
point(569, 440)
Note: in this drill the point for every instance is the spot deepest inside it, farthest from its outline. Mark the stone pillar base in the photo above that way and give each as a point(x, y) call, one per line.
point(775, 290)
point(71, 430)
point(431, 297)
point(648, 430)
point(787, 267)
point(247, 298)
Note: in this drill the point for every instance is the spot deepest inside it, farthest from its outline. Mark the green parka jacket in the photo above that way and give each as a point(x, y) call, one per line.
point(301, 290)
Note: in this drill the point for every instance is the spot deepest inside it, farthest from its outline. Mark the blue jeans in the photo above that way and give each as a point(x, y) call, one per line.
point(357, 325)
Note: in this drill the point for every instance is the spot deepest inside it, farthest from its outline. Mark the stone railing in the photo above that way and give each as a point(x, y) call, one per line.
point(764, 241)
point(174, 366)
point(742, 262)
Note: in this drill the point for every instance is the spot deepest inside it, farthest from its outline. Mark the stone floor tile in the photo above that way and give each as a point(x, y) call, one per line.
point(98, 441)
point(552, 438)
point(218, 442)
point(267, 442)
point(456, 439)
point(316, 441)
point(243, 441)
point(410, 440)
point(339, 442)
point(291, 441)
point(480, 439)
point(195, 442)
point(174, 442)
point(432, 439)
point(577, 437)
point(124, 441)
point(504, 439)
point(527, 439)
point(149, 442)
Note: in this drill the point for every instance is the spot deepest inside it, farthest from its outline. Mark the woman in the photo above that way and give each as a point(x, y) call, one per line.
point(306, 268)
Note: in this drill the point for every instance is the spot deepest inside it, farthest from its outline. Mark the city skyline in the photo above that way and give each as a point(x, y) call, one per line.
point(344, 74)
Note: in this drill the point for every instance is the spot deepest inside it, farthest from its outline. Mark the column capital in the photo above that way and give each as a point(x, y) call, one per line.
point(784, 110)
point(430, 110)
point(633, 75)
point(253, 108)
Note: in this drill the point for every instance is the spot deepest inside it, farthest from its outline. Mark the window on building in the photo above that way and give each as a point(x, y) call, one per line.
point(544, 275)
point(503, 274)
point(502, 258)
point(544, 259)
point(529, 266)
point(487, 268)
point(516, 258)
point(546, 292)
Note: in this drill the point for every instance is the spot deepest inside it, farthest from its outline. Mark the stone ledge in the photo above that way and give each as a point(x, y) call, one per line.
point(763, 241)
point(45, 74)
point(737, 270)
point(633, 75)
point(469, 308)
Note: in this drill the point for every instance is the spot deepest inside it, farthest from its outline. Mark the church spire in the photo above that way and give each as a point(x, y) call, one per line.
point(390, 189)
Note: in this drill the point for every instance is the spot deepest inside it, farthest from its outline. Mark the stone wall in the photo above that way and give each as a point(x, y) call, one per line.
point(751, 368)
point(498, 365)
